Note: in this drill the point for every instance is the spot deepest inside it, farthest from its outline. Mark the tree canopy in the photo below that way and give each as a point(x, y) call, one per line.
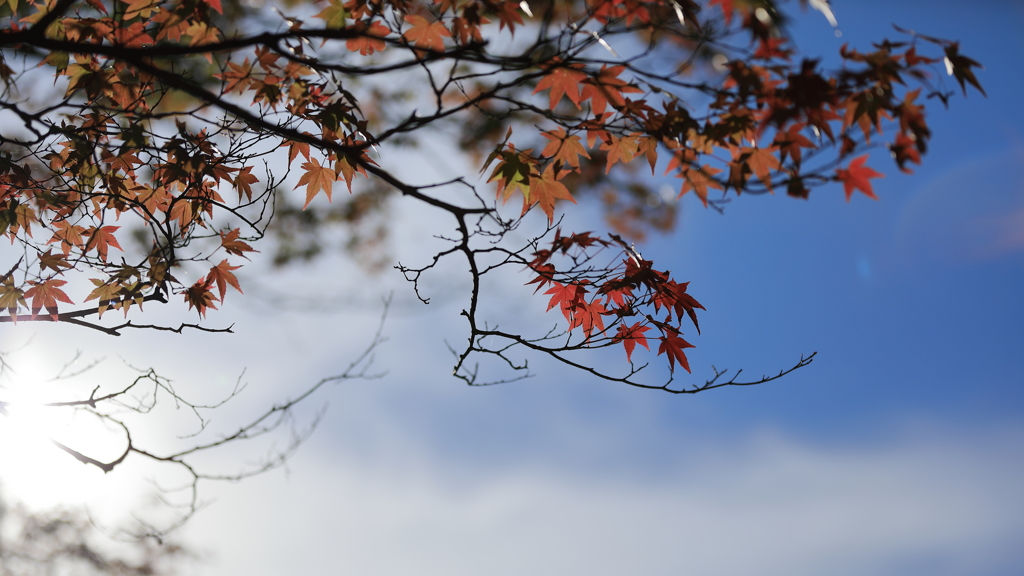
point(147, 143)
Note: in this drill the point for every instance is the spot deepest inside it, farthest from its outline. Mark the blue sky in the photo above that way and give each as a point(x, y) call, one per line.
point(897, 452)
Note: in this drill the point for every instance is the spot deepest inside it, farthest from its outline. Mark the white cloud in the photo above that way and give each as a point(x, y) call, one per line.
point(770, 504)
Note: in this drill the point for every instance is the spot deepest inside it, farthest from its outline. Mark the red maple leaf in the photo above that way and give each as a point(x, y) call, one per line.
point(545, 273)
point(858, 176)
point(566, 296)
point(630, 336)
point(199, 296)
point(672, 346)
point(672, 295)
point(588, 316)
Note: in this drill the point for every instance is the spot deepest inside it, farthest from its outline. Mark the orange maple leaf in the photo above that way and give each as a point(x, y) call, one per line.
point(790, 143)
point(237, 77)
point(68, 235)
point(606, 88)
point(762, 162)
point(221, 276)
point(244, 181)
point(45, 295)
point(426, 34)
point(563, 80)
point(101, 239)
point(316, 178)
point(545, 190)
point(229, 240)
point(371, 40)
point(621, 150)
point(564, 148)
point(699, 180)
point(857, 176)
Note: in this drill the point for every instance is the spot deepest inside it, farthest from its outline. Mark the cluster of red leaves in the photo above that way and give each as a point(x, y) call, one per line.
point(632, 296)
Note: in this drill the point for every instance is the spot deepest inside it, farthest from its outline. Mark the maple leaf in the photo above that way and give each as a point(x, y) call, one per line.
point(649, 147)
point(426, 34)
point(238, 77)
point(621, 150)
point(106, 292)
point(672, 346)
point(567, 297)
point(126, 163)
point(545, 275)
point(905, 149)
point(959, 67)
point(347, 171)
point(221, 276)
point(606, 88)
point(68, 235)
point(912, 119)
point(202, 34)
point(771, 48)
point(140, 9)
point(857, 176)
point(508, 14)
point(296, 148)
point(229, 240)
point(545, 190)
point(762, 162)
point(333, 15)
point(630, 336)
point(699, 180)
point(101, 239)
point(672, 295)
point(564, 148)
point(45, 295)
point(11, 297)
point(316, 178)
point(371, 40)
point(790, 143)
point(563, 80)
point(513, 171)
point(243, 182)
point(200, 297)
point(617, 290)
point(54, 262)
